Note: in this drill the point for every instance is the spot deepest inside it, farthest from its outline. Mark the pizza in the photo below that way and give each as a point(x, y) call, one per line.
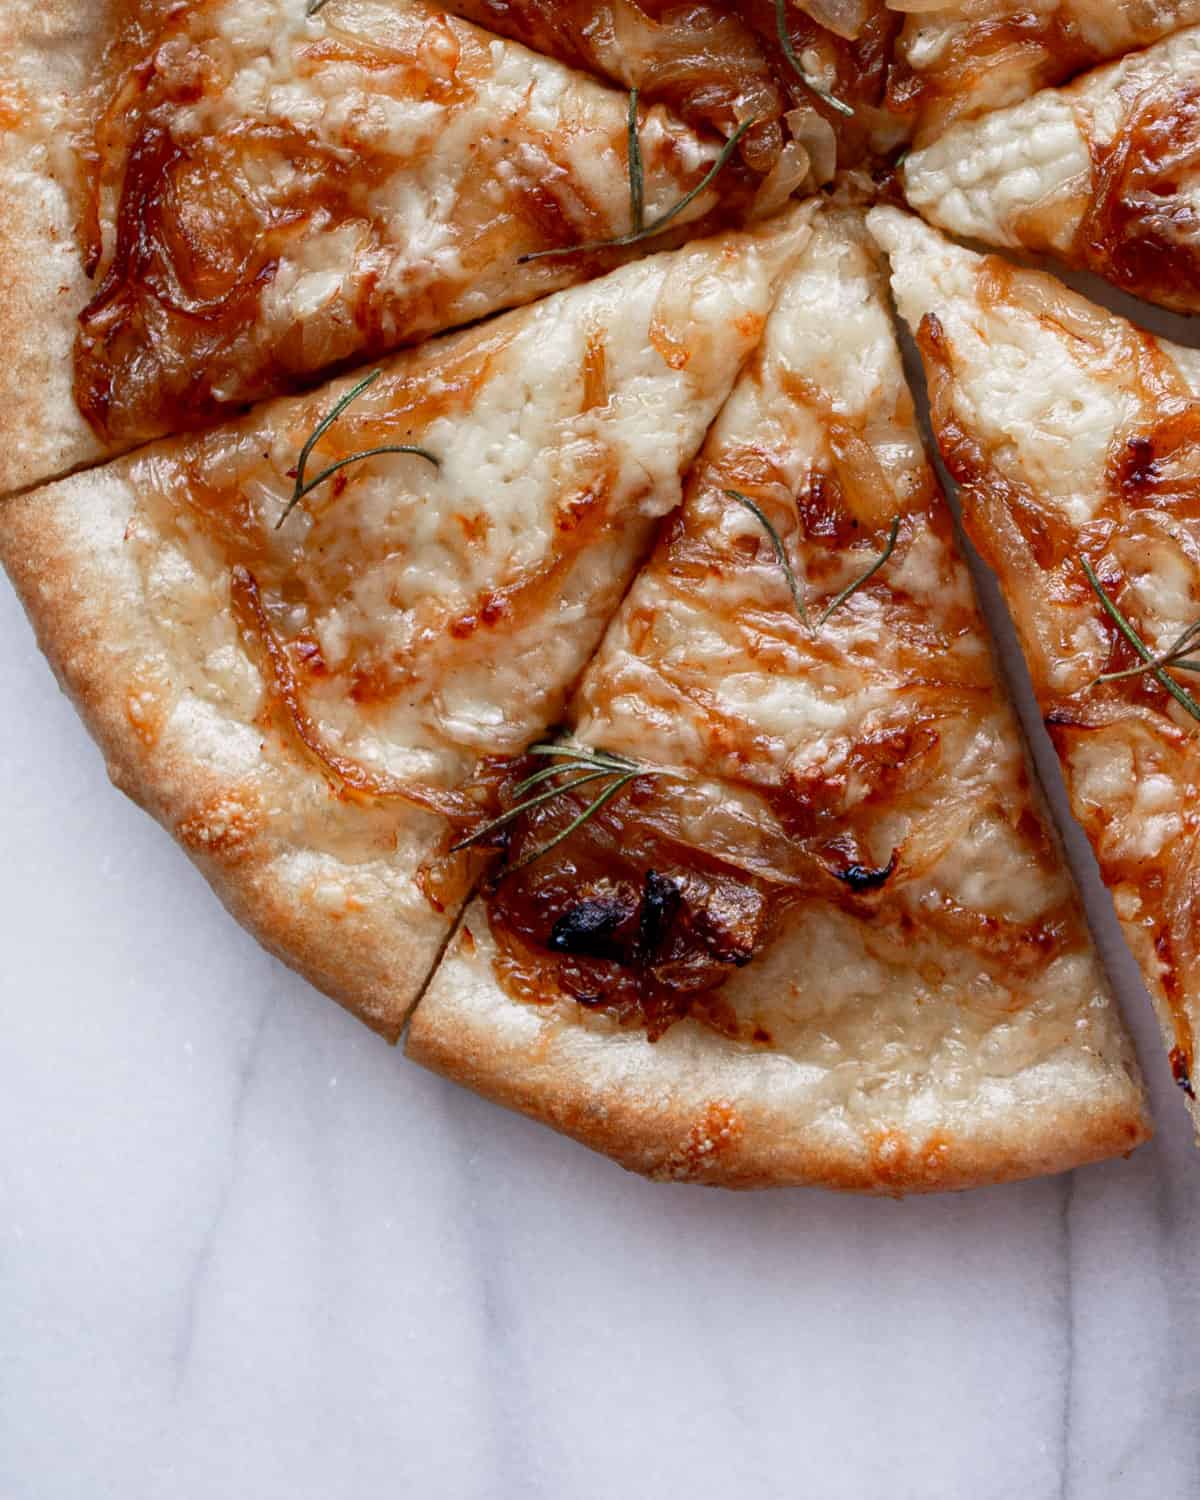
point(1100, 174)
point(461, 461)
point(1072, 437)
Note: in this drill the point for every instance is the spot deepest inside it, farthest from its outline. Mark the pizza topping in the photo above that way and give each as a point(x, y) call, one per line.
point(1175, 654)
point(789, 51)
point(764, 521)
point(305, 486)
point(641, 230)
point(1140, 228)
point(586, 767)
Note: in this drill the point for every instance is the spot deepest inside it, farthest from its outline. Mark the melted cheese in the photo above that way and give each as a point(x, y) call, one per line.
point(1130, 752)
point(451, 607)
point(708, 666)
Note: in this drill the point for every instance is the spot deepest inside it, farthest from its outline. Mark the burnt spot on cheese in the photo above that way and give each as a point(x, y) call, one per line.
point(591, 927)
point(861, 878)
point(1181, 1072)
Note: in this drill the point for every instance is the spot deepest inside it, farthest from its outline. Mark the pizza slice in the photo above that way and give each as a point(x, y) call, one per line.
point(1103, 174)
point(205, 205)
point(1074, 438)
point(302, 639)
point(815, 74)
point(967, 58)
point(784, 906)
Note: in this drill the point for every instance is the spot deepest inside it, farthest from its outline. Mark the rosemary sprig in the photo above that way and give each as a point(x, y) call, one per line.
point(1176, 655)
point(780, 552)
point(313, 7)
point(305, 486)
point(809, 82)
point(1152, 663)
point(641, 230)
point(866, 577)
point(585, 766)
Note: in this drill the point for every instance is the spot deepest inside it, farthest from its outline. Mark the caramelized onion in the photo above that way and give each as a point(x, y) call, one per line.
point(845, 18)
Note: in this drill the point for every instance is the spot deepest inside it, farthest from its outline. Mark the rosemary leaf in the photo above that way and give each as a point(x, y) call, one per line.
point(809, 82)
point(777, 542)
point(313, 7)
point(589, 811)
point(637, 207)
point(1174, 656)
point(522, 807)
point(305, 486)
point(637, 177)
point(1151, 663)
point(854, 587)
point(568, 760)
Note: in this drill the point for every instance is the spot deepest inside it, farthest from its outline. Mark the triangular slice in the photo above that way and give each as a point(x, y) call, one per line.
point(826, 936)
point(1074, 438)
point(964, 59)
point(1103, 174)
point(302, 698)
point(203, 205)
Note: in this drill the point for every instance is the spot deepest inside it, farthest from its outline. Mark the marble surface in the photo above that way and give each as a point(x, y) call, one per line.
point(246, 1250)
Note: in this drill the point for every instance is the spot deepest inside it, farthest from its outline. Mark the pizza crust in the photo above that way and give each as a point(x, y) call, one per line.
point(357, 928)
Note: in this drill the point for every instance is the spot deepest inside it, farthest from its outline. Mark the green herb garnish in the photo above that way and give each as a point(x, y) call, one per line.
point(641, 230)
point(780, 551)
point(1155, 665)
point(810, 83)
point(586, 767)
point(854, 587)
point(305, 486)
point(313, 7)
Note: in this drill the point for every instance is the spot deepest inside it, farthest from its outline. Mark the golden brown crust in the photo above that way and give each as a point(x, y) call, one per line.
point(201, 777)
point(693, 1107)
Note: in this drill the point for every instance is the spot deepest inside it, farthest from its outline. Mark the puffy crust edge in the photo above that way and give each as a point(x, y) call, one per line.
point(694, 1107)
point(61, 546)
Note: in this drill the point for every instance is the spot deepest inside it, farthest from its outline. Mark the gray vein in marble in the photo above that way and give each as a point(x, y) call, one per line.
point(490, 1247)
point(193, 1288)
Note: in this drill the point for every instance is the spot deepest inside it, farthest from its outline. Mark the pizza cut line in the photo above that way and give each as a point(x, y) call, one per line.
point(503, 551)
